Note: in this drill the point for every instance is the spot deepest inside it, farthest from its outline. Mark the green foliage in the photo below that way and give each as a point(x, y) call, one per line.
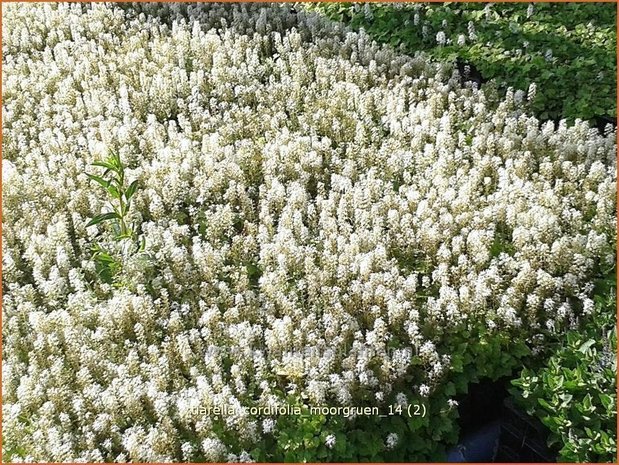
point(574, 394)
point(510, 45)
point(363, 439)
point(11, 448)
point(475, 354)
point(108, 263)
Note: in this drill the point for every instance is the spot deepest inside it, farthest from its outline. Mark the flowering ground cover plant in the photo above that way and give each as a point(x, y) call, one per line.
point(574, 390)
point(575, 395)
point(325, 222)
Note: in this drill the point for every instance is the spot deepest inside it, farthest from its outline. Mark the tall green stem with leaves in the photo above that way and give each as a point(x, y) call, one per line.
point(113, 181)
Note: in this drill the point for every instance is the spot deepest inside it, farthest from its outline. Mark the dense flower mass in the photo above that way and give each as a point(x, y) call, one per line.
point(321, 214)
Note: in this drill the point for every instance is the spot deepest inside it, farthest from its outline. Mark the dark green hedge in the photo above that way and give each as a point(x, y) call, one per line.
point(567, 49)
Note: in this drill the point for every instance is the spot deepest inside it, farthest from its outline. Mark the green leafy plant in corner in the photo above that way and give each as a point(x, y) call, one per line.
point(109, 263)
point(575, 393)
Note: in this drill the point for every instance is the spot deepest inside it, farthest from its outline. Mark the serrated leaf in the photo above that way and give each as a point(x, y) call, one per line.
point(606, 400)
point(586, 346)
point(566, 398)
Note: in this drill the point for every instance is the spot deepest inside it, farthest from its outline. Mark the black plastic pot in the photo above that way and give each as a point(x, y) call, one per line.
point(495, 430)
point(480, 421)
point(479, 446)
point(522, 437)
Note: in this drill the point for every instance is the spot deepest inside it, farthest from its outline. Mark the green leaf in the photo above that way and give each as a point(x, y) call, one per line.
point(586, 346)
point(450, 389)
point(566, 398)
point(606, 400)
point(550, 422)
point(99, 180)
point(103, 217)
point(113, 191)
point(108, 166)
point(103, 257)
point(115, 160)
point(131, 190)
point(546, 405)
point(127, 235)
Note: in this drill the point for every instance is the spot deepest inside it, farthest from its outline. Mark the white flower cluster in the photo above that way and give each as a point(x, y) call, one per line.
point(320, 211)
